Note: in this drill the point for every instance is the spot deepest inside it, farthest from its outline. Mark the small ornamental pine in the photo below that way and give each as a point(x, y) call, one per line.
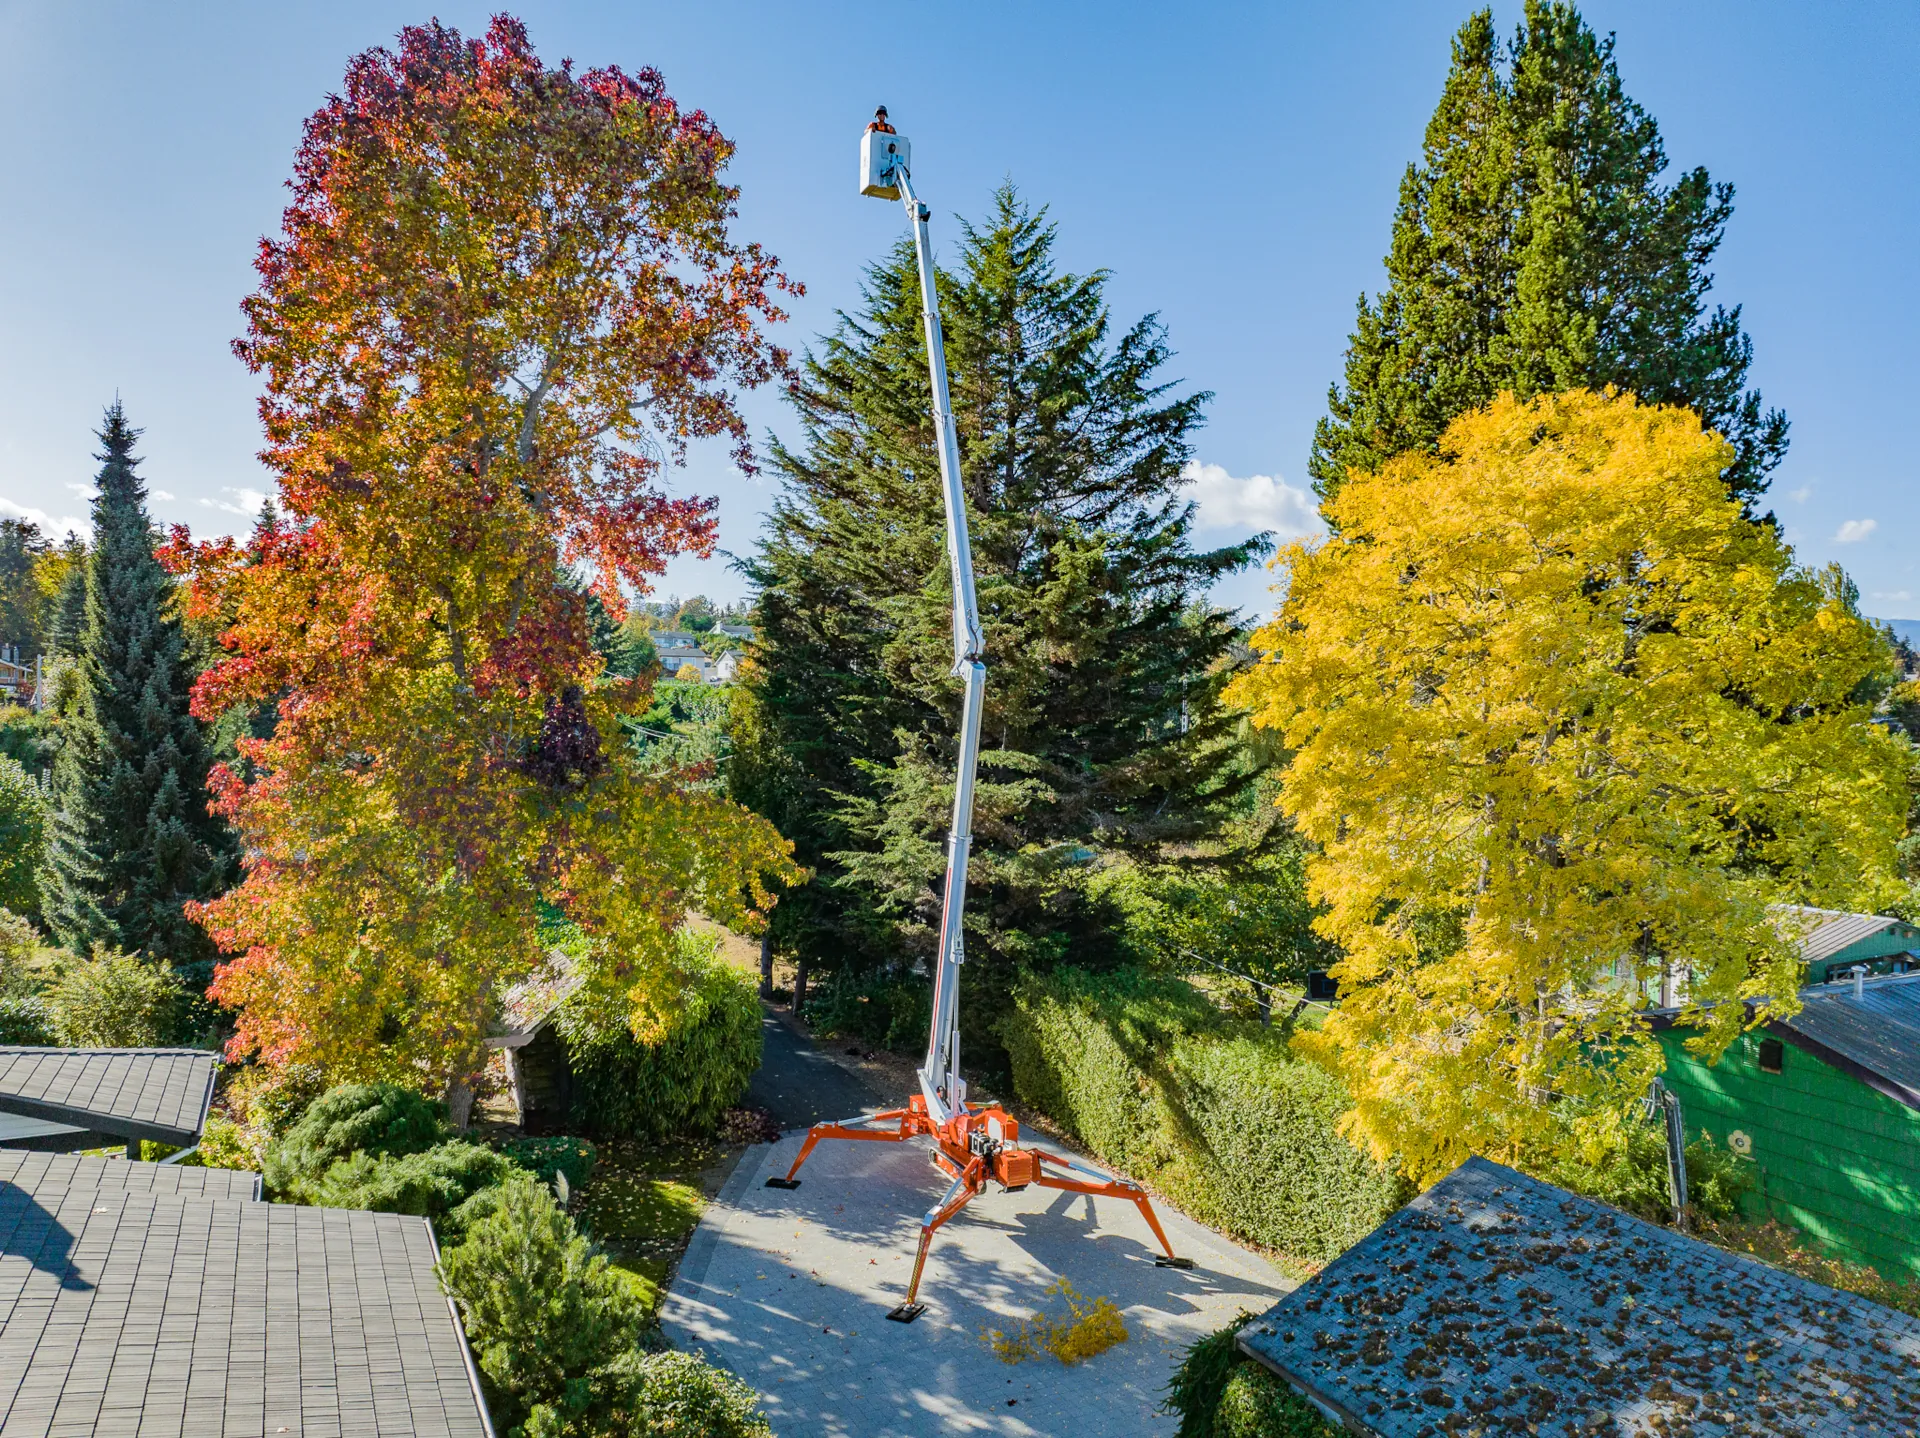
point(455, 1184)
point(1535, 248)
point(542, 1308)
point(371, 1118)
point(131, 840)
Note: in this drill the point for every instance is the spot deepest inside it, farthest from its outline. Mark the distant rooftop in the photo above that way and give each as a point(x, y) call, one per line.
point(151, 1299)
point(1825, 932)
point(1876, 1036)
point(158, 1094)
point(1496, 1304)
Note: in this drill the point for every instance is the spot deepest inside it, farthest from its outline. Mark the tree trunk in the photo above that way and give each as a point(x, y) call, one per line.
point(800, 986)
point(766, 964)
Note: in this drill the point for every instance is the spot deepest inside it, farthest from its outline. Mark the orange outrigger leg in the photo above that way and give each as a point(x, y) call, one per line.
point(978, 1144)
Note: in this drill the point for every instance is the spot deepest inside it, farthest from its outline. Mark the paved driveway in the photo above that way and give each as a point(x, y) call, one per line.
point(790, 1290)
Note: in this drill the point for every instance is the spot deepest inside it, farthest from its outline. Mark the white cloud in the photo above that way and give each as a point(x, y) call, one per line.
point(1260, 501)
point(1892, 594)
point(1800, 495)
point(54, 526)
point(1855, 530)
point(245, 501)
point(162, 494)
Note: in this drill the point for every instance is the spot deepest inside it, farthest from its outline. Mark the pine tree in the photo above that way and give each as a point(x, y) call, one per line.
point(1535, 249)
point(131, 840)
point(1103, 730)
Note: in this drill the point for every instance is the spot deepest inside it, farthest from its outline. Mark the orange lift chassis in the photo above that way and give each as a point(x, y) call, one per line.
point(972, 1143)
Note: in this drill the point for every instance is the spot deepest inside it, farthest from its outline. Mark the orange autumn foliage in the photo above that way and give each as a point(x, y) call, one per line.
point(505, 297)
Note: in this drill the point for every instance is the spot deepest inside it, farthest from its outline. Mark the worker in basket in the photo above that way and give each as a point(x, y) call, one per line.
point(879, 122)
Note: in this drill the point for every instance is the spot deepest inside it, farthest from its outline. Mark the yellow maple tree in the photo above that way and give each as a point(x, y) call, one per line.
point(1565, 726)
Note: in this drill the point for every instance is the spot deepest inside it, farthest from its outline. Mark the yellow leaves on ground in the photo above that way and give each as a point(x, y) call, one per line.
point(1564, 724)
point(1083, 1331)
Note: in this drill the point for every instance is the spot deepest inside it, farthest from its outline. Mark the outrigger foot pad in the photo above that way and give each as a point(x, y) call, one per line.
point(1161, 1260)
point(795, 1183)
point(906, 1312)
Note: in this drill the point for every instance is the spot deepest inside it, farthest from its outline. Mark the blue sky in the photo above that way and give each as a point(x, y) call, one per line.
point(1234, 166)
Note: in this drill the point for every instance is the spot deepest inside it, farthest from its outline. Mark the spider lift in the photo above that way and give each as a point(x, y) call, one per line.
point(972, 1142)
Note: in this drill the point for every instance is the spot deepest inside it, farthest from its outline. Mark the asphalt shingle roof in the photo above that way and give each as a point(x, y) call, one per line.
point(125, 1312)
point(47, 1176)
point(161, 1094)
point(1878, 1032)
point(1496, 1304)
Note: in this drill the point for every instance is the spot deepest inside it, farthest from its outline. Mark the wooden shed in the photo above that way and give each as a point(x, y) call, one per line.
point(539, 1070)
point(1826, 1107)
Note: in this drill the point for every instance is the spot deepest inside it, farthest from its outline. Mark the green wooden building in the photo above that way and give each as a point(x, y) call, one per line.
point(1826, 1107)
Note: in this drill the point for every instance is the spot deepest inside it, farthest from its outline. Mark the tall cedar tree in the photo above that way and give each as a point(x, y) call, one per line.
point(1102, 727)
point(132, 840)
point(1535, 250)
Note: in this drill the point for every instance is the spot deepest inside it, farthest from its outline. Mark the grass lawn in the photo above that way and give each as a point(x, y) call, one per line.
point(643, 1201)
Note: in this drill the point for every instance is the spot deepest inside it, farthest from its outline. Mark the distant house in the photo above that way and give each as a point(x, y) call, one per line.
point(16, 677)
point(725, 668)
point(1826, 1107)
point(1494, 1304)
point(1833, 943)
point(673, 658)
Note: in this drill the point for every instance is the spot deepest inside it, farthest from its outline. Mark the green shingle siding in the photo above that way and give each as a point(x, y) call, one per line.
point(1834, 1157)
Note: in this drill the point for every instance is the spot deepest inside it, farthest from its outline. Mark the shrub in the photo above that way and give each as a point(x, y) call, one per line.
point(113, 1000)
point(544, 1157)
point(225, 1144)
point(25, 1020)
point(23, 818)
point(1218, 1393)
point(1256, 1404)
point(18, 943)
point(454, 1184)
point(373, 1119)
point(1633, 1176)
point(543, 1309)
point(273, 1100)
point(663, 1393)
point(689, 1078)
point(1218, 1114)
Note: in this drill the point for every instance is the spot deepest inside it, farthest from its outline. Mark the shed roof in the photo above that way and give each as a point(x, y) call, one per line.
point(526, 1007)
point(1825, 932)
point(125, 1311)
point(1496, 1302)
point(1876, 1036)
point(161, 1094)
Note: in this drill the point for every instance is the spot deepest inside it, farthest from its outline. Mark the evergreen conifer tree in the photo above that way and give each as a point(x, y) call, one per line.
point(21, 547)
point(68, 621)
point(131, 840)
point(1102, 729)
point(1535, 249)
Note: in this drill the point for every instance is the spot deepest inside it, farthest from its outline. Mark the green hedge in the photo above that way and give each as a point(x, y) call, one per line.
point(1218, 1393)
point(1217, 1114)
point(679, 1085)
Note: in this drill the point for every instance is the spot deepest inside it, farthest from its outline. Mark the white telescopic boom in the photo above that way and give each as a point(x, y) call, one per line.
point(940, 1082)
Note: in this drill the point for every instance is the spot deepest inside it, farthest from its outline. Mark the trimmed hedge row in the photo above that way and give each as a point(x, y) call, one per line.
point(1215, 1113)
point(681, 1084)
